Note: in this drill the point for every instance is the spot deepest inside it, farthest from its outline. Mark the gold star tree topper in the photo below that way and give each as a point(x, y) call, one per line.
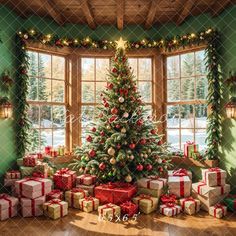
point(120, 44)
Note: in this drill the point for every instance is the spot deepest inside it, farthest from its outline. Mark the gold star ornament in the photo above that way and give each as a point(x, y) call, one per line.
point(120, 43)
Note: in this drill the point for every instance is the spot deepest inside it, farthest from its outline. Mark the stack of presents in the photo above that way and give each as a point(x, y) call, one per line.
point(51, 195)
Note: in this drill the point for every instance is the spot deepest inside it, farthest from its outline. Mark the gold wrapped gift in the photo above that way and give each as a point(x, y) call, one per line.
point(109, 211)
point(146, 203)
point(74, 195)
point(89, 204)
point(190, 205)
point(55, 209)
point(152, 192)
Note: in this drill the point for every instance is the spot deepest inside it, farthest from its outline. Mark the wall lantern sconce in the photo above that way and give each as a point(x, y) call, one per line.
point(230, 107)
point(5, 108)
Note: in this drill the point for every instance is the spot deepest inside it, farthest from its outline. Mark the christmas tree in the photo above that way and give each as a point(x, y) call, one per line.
point(122, 144)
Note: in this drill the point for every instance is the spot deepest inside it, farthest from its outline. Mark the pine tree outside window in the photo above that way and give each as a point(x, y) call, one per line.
point(46, 98)
point(186, 99)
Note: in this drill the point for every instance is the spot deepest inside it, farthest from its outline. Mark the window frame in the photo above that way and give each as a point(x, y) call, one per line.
point(179, 52)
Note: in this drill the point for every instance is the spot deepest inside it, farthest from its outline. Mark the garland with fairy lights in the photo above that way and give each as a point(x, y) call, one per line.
point(210, 37)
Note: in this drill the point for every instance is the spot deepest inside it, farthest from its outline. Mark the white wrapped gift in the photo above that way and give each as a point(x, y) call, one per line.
point(214, 176)
point(170, 209)
point(8, 206)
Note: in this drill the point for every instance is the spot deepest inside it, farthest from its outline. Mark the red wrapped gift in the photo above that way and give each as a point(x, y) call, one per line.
point(129, 208)
point(30, 160)
point(115, 193)
point(47, 150)
point(54, 194)
point(64, 179)
point(168, 198)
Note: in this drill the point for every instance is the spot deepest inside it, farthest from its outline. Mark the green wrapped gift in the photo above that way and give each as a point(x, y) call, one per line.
point(230, 202)
point(26, 171)
point(190, 148)
point(19, 161)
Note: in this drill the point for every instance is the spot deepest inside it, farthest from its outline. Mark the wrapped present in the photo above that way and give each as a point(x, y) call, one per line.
point(13, 174)
point(42, 168)
point(33, 187)
point(115, 193)
point(64, 179)
point(230, 202)
point(47, 150)
point(179, 183)
point(30, 160)
point(189, 148)
point(180, 172)
point(89, 204)
point(26, 171)
point(146, 203)
point(38, 174)
point(19, 161)
point(129, 208)
point(8, 206)
point(55, 208)
point(32, 207)
point(170, 209)
point(214, 176)
point(152, 185)
point(10, 182)
point(86, 179)
point(218, 211)
point(74, 195)
point(190, 205)
point(210, 192)
point(54, 194)
point(89, 188)
point(109, 211)
point(168, 198)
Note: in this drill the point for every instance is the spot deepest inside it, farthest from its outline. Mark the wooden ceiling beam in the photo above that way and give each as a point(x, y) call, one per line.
point(219, 6)
point(87, 13)
point(186, 11)
point(151, 14)
point(120, 11)
point(53, 12)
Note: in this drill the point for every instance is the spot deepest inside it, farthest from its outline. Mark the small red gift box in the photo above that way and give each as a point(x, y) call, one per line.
point(64, 179)
point(47, 150)
point(129, 208)
point(54, 194)
point(115, 193)
point(30, 160)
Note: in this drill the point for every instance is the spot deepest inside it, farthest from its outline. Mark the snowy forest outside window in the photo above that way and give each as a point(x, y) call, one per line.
point(186, 99)
point(46, 98)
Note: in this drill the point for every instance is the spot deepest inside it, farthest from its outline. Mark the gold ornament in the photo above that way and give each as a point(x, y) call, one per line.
point(128, 178)
point(113, 161)
point(111, 151)
point(123, 130)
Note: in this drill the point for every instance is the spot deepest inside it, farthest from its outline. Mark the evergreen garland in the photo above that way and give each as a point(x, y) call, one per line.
point(209, 36)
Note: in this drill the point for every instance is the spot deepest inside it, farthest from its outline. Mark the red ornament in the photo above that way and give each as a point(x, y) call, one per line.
point(114, 111)
point(118, 126)
point(126, 91)
point(163, 161)
point(142, 141)
point(102, 133)
point(23, 71)
point(106, 104)
point(58, 42)
point(114, 70)
point(92, 153)
point(102, 166)
point(109, 85)
point(89, 138)
point(159, 142)
point(148, 167)
point(139, 167)
point(132, 146)
point(102, 141)
point(93, 129)
point(100, 115)
point(139, 122)
point(113, 118)
point(153, 131)
point(118, 146)
point(160, 169)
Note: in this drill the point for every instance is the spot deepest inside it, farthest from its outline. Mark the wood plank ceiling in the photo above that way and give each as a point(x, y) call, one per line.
point(117, 12)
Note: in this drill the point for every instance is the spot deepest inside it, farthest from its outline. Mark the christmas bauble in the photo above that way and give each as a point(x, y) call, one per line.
point(153, 131)
point(159, 160)
point(93, 129)
point(114, 70)
point(132, 146)
point(81, 170)
point(145, 155)
point(92, 153)
point(139, 167)
point(106, 104)
point(102, 133)
point(148, 167)
point(113, 118)
point(108, 127)
point(89, 138)
point(121, 99)
point(160, 169)
point(126, 115)
point(113, 161)
point(131, 157)
point(118, 146)
point(102, 166)
point(114, 111)
point(110, 174)
point(149, 150)
point(128, 178)
point(117, 126)
point(111, 151)
point(139, 122)
point(123, 130)
point(142, 141)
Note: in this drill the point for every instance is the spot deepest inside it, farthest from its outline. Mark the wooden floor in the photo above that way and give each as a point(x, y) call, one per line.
point(81, 223)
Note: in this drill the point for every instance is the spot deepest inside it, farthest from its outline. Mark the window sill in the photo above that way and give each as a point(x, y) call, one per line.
point(192, 162)
point(61, 159)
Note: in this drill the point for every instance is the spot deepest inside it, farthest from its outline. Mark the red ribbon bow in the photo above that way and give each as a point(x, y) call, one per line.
point(63, 171)
point(144, 196)
point(180, 172)
point(55, 191)
point(170, 204)
point(77, 190)
point(168, 198)
point(214, 169)
point(190, 142)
